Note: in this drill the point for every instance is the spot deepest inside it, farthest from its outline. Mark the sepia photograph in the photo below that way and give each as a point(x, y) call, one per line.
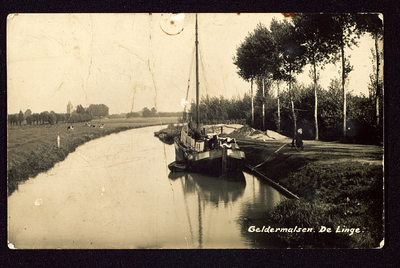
point(195, 131)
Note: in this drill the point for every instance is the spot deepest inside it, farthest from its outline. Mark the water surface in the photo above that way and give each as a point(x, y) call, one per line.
point(117, 192)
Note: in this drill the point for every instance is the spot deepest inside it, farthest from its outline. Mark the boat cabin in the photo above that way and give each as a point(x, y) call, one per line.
point(199, 141)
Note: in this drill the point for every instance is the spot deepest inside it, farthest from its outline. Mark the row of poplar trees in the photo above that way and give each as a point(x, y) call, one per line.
point(276, 54)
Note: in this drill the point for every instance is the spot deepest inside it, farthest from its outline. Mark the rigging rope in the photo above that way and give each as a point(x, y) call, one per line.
point(190, 73)
point(204, 76)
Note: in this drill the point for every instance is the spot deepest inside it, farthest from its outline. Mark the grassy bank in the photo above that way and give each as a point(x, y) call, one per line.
point(339, 185)
point(33, 149)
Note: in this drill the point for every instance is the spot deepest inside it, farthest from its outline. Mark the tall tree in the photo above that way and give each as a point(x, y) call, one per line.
point(13, 119)
point(266, 102)
point(279, 106)
point(346, 34)
point(28, 112)
point(146, 112)
point(52, 117)
point(98, 110)
point(80, 109)
point(291, 57)
point(20, 117)
point(153, 111)
point(373, 24)
point(44, 116)
point(257, 57)
point(315, 34)
point(36, 118)
point(29, 119)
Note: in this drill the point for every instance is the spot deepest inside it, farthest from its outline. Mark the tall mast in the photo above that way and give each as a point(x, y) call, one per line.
point(197, 80)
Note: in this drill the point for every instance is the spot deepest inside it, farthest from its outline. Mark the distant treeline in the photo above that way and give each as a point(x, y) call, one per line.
point(80, 114)
point(220, 110)
point(38, 118)
point(146, 112)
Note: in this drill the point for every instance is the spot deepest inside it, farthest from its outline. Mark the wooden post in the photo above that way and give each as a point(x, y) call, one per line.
point(58, 141)
point(222, 129)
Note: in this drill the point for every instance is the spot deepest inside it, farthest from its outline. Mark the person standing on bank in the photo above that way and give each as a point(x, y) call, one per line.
point(299, 138)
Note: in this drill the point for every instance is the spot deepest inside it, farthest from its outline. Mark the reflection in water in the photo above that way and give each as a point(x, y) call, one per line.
point(253, 213)
point(210, 191)
point(246, 198)
point(116, 192)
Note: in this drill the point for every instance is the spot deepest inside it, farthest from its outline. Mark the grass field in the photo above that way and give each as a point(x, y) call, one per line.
point(33, 149)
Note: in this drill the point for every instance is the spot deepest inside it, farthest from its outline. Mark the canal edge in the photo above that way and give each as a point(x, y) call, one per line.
point(277, 186)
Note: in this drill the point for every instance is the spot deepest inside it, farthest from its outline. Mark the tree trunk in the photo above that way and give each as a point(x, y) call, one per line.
point(263, 106)
point(344, 92)
point(279, 110)
point(316, 102)
point(252, 104)
point(294, 118)
point(293, 113)
point(377, 93)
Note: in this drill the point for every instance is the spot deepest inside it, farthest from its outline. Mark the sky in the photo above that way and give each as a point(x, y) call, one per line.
point(132, 61)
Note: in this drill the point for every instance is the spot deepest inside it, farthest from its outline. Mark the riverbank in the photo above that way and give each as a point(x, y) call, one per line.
point(340, 187)
point(33, 149)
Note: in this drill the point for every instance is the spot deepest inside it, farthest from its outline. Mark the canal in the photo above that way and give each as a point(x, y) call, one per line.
point(116, 192)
